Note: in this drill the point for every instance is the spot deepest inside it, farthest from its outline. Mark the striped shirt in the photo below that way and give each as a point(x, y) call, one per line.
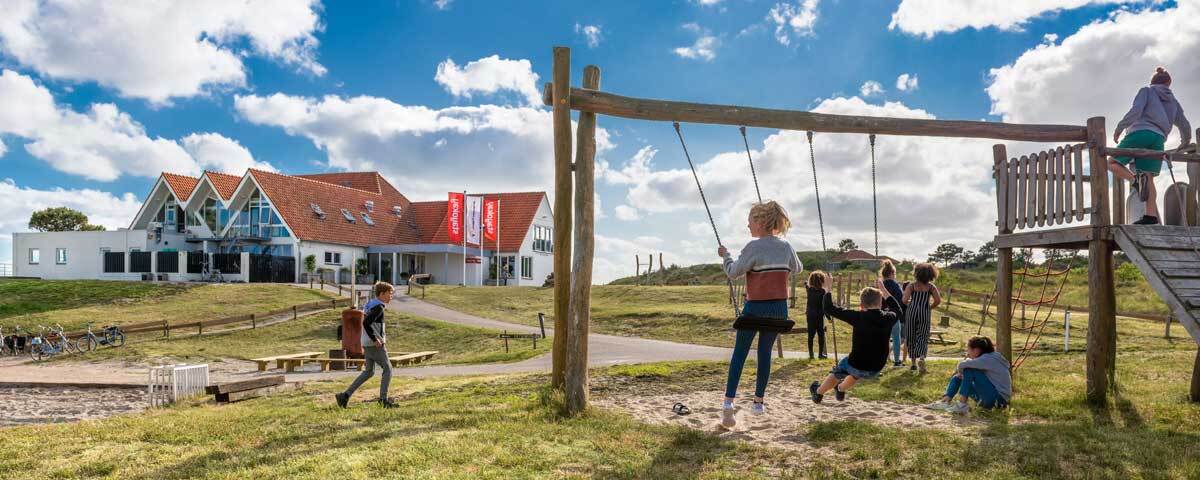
point(767, 263)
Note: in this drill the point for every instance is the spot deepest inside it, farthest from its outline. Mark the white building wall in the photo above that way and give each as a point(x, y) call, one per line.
point(447, 268)
point(84, 259)
point(349, 254)
point(543, 263)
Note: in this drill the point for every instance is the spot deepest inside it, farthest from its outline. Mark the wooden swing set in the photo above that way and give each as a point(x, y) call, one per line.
point(1039, 190)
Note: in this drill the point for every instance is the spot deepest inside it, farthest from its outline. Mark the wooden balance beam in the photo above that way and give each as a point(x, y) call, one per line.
point(246, 389)
point(395, 360)
point(280, 360)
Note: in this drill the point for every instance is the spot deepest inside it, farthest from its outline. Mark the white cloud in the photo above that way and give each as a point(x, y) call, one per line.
point(442, 4)
point(490, 75)
point(600, 215)
point(953, 202)
point(626, 213)
point(212, 151)
point(101, 143)
point(102, 208)
point(591, 34)
point(485, 147)
point(707, 2)
point(704, 48)
point(793, 20)
point(930, 17)
point(159, 50)
point(907, 82)
point(870, 88)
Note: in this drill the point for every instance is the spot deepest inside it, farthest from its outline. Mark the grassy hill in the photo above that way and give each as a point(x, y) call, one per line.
point(23, 296)
point(710, 273)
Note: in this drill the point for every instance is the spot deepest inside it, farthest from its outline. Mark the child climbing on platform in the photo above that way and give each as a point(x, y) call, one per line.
point(888, 283)
point(920, 298)
point(768, 263)
point(872, 324)
point(983, 376)
point(374, 342)
point(814, 311)
point(1148, 122)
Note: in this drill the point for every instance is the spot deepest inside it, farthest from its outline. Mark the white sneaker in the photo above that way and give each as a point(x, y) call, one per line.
point(959, 408)
point(758, 409)
point(939, 406)
point(727, 419)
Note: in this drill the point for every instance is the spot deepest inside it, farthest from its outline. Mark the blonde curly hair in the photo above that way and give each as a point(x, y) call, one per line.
point(772, 216)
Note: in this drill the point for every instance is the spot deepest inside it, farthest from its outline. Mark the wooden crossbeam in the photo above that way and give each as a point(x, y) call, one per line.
point(604, 103)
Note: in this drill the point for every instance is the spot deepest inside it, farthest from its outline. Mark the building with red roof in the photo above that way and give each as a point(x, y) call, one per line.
point(336, 218)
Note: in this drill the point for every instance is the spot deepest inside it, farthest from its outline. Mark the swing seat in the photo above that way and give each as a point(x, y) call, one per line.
point(763, 324)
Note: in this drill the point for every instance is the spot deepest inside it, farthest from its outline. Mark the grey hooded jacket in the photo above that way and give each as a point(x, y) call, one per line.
point(1156, 109)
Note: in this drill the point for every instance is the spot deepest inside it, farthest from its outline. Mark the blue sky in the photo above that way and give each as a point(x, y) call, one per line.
point(437, 96)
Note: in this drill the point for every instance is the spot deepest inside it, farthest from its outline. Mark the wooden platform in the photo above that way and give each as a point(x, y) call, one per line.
point(291, 364)
point(281, 360)
point(1169, 258)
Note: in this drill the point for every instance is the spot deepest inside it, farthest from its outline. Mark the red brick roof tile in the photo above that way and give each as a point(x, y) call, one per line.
point(182, 185)
point(517, 211)
point(224, 183)
point(365, 181)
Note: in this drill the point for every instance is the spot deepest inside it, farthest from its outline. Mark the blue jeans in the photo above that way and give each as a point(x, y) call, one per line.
point(741, 349)
point(896, 342)
point(974, 384)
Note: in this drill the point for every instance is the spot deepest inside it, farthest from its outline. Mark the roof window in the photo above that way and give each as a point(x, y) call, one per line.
point(397, 210)
point(369, 205)
point(367, 219)
point(348, 216)
point(317, 210)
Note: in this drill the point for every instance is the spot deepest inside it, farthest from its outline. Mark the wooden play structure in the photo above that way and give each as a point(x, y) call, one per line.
point(289, 363)
point(1038, 197)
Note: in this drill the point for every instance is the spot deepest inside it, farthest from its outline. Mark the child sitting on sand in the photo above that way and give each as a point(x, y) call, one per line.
point(869, 343)
point(768, 263)
point(983, 376)
point(815, 310)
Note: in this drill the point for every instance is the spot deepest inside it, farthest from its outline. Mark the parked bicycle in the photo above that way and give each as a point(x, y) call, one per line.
point(7, 344)
point(59, 337)
point(111, 335)
point(40, 348)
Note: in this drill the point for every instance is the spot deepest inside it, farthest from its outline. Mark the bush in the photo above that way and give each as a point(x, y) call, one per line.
point(1128, 273)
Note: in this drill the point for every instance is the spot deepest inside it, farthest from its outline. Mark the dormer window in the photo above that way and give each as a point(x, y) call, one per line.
point(397, 210)
point(367, 219)
point(317, 210)
point(369, 205)
point(349, 217)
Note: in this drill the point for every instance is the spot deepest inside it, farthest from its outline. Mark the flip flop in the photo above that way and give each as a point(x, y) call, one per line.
point(681, 409)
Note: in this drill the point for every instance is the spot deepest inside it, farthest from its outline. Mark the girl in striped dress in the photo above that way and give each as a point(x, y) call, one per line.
point(920, 298)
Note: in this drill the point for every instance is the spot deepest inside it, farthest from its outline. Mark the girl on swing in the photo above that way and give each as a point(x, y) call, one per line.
point(1155, 110)
point(768, 262)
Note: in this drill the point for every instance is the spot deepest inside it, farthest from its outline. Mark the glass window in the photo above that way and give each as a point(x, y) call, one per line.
point(367, 219)
point(35, 256)
point(347, 215)
point(333, 258)
point(527, 267)
point(60, 256)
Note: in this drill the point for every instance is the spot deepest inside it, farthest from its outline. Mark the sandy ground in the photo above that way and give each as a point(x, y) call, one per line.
point(790, 411)
point(26, 405)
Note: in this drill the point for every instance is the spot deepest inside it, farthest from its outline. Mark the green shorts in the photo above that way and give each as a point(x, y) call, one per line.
point(1143, 139)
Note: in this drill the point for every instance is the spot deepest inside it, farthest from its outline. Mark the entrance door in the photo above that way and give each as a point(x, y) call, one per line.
point(385, 267)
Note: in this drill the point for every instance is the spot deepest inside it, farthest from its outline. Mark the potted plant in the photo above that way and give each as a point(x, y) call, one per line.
point(310, 264)
point(363, 269)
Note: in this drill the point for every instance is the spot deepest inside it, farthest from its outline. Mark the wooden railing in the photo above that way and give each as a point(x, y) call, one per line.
point(415, 281)
point(1044, 188)
point(165, 326)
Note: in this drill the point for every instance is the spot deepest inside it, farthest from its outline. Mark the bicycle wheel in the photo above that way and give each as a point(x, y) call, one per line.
point(118, 339)
point(86, 344)
point(35, 352)
point(67, 346)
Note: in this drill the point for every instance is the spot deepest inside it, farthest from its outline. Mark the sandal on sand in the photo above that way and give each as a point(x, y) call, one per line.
point(681, 409)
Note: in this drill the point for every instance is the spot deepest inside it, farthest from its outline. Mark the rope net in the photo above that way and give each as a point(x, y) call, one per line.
point(1043, 300)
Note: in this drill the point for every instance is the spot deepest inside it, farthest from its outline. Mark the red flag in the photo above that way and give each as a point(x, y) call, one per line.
point(491, 218)
point(454, 217)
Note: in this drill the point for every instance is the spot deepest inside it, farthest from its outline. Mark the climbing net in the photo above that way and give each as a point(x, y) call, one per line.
point(1046, 301)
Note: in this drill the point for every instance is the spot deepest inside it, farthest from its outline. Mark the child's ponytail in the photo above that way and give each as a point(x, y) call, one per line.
point(772, 216)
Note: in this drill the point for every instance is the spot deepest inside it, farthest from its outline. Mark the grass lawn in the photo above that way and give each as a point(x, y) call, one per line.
point(507, 427)
point(700, 315)
point(22, 297)
point(183, 303)
point(317, 332)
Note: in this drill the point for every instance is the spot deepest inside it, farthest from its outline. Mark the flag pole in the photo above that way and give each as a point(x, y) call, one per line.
point(497, 240)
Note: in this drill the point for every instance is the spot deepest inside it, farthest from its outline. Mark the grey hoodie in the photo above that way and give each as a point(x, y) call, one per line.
point(995, 368)
point(1156, 109)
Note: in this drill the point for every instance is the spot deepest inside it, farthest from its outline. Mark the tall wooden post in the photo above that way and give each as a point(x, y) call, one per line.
point(1193, 191)
point(1196, 379)
point(1102, 318)
point(562, 210)
point(581, 271)
point(1004, 264)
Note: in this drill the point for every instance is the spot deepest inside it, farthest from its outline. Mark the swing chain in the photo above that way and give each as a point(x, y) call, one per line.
point(816, 189)
point(874, 198)
point(751, 160)
point(728, 281)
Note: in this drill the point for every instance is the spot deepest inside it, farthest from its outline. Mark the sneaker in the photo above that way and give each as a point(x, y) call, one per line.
point(897, 364)
point(823, 356)
point(342, 399)
point(759, 408)
point(387, 403)
point(939, 406)
point(839, 394)
point(816, 397)
point(1147, 220)
point(913, 367)
point(959, 408)
point(727, 419)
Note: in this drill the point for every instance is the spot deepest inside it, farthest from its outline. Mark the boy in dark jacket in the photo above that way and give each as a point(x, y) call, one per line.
point(869, 347)
point(374, 342)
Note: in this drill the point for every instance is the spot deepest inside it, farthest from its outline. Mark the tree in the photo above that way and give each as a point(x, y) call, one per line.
point(846, 245)
point(987, 253)
point(966, 257)
point(310, 263)
point(61, 219)
point(1022, 256)
point(946, 254)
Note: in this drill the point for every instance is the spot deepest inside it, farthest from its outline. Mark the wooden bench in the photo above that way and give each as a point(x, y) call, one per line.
point(396, 360)
point(246, 389)
point(280, 360)
point(936, 336)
